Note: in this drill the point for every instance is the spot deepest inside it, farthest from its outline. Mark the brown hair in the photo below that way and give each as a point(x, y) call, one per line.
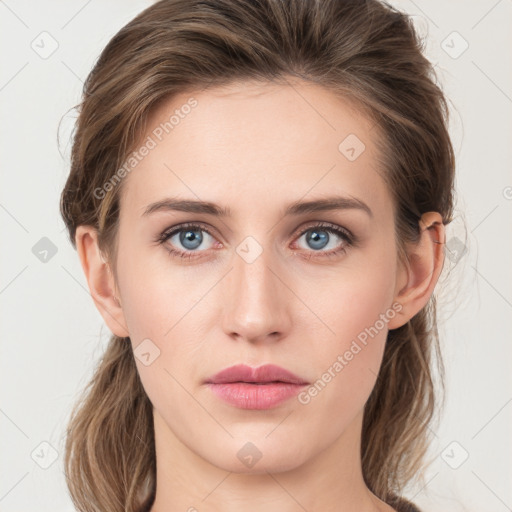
point(365, 51)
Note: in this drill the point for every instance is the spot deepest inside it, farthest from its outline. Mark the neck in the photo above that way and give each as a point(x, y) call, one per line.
point(331, 481)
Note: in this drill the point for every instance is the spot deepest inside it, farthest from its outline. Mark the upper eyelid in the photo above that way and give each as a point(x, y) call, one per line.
point(297, 232)
point(176, 229)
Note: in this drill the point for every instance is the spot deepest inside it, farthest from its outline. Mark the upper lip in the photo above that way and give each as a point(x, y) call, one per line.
point(265, 373)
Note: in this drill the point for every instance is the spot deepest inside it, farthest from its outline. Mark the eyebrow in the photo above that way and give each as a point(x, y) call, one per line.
point(295, 208)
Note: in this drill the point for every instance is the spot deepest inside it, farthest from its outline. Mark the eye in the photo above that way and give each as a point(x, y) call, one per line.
point(323, 236)
point(190, 237)
point(185, 240)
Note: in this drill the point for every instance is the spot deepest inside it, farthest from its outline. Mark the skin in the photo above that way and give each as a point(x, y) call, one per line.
point(256, 148)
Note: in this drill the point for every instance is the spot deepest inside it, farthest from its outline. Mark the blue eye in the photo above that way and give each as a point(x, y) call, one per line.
point(191, 239)
point(191, 236)
point(320, 237)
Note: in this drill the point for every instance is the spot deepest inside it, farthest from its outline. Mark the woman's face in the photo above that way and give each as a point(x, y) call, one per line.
point(259, 284)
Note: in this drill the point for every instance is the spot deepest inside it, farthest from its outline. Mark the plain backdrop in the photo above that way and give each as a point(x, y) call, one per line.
point(52, 334)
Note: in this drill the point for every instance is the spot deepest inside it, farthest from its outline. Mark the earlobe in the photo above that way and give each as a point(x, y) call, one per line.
point(100, 280)
point(417, 280)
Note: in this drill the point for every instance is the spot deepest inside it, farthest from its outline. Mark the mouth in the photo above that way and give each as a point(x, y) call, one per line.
point(259, 388)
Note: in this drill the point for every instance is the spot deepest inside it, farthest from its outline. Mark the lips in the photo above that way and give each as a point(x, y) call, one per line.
point(265, 374)
point(259, 388)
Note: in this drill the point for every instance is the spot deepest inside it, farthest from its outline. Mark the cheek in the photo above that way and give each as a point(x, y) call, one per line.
point(354, 297)
point(159, 307)
point(347, 365)
point(155, 293)
point(356, 306)
point(160, 304)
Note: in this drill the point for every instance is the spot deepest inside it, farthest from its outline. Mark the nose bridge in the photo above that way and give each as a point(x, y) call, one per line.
point(258, 306)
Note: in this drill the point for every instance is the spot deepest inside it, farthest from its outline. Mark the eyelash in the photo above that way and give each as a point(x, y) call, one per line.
point(349, 239)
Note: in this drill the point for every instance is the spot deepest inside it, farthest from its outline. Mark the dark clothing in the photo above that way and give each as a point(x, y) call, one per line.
point(402, 505)
point(399, 504)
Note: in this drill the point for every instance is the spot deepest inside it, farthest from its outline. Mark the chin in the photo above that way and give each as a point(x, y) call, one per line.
point(259, 456)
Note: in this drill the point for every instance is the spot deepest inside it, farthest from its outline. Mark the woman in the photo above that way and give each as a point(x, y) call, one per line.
point(258, 197)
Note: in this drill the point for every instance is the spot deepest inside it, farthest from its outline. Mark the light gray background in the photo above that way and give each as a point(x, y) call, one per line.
point(51, 333)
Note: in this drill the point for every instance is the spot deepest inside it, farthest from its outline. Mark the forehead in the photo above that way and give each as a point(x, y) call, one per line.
point(250, 144)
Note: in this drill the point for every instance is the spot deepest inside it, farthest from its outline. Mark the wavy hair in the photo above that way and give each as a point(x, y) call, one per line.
point(365, 51)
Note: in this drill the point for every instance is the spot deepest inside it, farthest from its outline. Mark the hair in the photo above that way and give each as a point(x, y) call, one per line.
point(366, 52)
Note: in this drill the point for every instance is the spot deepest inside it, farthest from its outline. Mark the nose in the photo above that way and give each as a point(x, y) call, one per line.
point(257, 304)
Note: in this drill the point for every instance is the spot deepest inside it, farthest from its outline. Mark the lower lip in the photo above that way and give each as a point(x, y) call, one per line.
point(255, 396)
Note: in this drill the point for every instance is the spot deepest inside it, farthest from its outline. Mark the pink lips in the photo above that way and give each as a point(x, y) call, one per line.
point(255, 388)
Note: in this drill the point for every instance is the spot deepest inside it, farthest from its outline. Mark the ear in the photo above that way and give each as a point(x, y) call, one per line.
point(417, 278)
point(100, 280)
